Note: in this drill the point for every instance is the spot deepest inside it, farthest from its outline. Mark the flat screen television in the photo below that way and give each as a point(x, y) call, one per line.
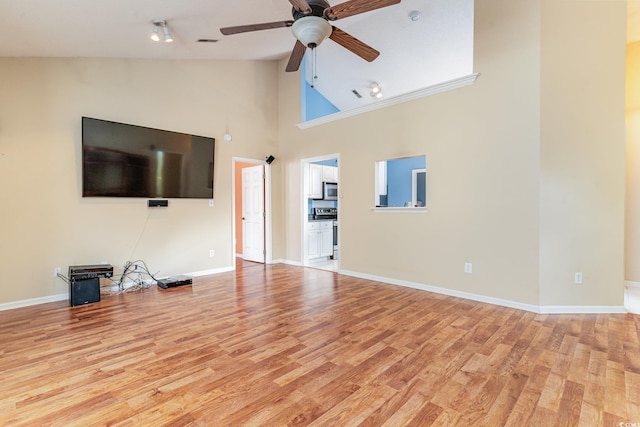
point(123, 160)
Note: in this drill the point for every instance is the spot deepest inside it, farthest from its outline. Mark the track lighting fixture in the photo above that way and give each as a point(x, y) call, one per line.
point(376, 90)
point(155, 34)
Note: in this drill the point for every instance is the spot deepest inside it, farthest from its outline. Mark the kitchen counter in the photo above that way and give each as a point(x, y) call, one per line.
point(313, 219)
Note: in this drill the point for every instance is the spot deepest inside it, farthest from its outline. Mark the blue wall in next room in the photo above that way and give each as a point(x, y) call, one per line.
point(313, 104)
point(399, 178)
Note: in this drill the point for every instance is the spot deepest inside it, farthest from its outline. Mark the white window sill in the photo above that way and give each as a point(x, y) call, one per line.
point(399, 209)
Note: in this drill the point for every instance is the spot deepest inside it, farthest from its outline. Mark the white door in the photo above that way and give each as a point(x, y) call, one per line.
point(253, 213)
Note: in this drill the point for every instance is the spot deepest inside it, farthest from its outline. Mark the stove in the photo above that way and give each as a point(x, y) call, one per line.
point(325, 213)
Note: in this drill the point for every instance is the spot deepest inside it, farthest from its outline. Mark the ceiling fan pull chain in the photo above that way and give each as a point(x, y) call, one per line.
point(315, 65)
point(313, 72)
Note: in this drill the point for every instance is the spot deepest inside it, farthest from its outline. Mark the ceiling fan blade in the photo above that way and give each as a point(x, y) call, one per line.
point(354, 7)
point(301, 6)
point(354, 45)
point(296, 57)
point(255, 27)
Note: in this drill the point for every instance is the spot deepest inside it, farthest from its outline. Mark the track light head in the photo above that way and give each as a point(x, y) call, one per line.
point(376, 90)
point(155, 34)
point(168, 38)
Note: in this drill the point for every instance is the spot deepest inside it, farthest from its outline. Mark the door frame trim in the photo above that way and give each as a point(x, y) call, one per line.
point(304, 204)
point(268, 235)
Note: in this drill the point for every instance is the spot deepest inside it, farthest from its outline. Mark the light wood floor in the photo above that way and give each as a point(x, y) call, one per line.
point(281, 345)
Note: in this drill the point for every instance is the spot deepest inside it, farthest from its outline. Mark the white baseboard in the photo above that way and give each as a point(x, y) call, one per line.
point(490, 300)
point(582, 309)
point(444, 291)
point(34, 301)
point(212, 271)
point(287, 262)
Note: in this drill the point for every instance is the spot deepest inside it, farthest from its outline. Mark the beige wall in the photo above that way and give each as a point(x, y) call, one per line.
point(482, 148)
point(583, 152)
point(45, 223)
point(632, 252)
point(498, 155)
point(525, 168)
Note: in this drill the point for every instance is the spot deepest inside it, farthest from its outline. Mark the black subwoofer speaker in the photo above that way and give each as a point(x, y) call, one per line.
point(84, 291)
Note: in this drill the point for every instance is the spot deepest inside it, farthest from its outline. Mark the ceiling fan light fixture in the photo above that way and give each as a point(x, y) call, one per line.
point(311, 30)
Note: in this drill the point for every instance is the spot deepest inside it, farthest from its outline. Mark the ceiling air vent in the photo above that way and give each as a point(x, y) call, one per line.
point(356, 93)
point(207, 40)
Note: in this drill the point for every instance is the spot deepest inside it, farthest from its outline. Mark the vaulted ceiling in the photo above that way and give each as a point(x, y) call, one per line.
point(414, 54)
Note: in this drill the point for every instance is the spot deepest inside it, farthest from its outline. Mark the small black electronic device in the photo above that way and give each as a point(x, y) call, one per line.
point(158, 203)
point(84, 272)
point(174, 281)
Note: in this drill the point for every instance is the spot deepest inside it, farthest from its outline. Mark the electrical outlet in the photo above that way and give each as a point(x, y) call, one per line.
point(211, 253)
point(577, 278)
point(57, 271)
point(468, 267)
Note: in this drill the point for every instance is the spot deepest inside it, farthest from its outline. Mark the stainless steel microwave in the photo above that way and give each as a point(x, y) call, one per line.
point(330, 191)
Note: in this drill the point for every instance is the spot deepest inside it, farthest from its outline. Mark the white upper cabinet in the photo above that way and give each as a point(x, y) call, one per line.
point(315, 181)
point(330, 173)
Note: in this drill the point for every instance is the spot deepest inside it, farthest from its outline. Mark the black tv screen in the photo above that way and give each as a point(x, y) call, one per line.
point(122, 160)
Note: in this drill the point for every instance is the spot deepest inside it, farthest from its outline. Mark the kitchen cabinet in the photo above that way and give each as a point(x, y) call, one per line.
point(315, 181)
point(319, 174)
point(330, 173)
point(319, 239)
point(326, 239)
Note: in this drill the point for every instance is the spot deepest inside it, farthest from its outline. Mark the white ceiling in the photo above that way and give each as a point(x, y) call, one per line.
point(413, 55)
point(121, 29)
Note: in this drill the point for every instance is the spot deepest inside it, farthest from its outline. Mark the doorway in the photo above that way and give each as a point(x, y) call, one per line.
point(320, 233)
point(251, 210)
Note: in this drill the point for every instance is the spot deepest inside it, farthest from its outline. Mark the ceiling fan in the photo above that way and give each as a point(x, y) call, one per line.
point(310, 26)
